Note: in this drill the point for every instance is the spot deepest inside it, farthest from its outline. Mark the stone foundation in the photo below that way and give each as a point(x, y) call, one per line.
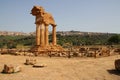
point(47, 48)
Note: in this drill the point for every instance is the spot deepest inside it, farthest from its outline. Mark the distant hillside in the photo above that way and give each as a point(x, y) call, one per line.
point(62, 33)
point(12, 33)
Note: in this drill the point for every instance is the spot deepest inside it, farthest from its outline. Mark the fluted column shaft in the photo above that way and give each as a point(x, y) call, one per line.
point(54, 35)
point(42, 30)
point(37, 34)
point(46, 35)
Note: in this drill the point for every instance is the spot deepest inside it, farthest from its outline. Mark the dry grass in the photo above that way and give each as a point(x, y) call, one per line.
point(62, 68)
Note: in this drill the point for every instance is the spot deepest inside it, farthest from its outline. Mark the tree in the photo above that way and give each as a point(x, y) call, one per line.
point(11, 45)
point(115, 39)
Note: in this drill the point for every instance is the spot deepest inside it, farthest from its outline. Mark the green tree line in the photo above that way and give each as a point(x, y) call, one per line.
point(74, 40)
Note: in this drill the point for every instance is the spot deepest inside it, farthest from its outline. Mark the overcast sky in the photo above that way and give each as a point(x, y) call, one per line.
point(78, 15)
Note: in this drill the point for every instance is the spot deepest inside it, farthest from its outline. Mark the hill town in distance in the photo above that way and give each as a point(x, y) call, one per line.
point(72, 32)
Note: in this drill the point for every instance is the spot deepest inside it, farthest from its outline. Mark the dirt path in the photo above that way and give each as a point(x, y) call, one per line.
point(62, 68)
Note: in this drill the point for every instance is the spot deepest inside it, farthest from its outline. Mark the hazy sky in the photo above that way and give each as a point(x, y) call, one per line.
point(78, 15)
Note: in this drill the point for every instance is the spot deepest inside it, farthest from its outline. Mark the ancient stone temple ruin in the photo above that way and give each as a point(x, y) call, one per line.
point(42, 21)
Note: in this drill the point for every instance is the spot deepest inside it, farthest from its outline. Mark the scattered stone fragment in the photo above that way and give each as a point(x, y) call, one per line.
point(30, 61)
point(8, 69)
point(117, 64)
point(39, 65)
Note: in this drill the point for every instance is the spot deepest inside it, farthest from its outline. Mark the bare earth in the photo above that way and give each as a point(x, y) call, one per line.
point(62, 68)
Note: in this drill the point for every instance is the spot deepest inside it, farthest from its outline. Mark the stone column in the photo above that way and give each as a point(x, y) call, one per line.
point(46, 36)
point(37, 34)
point(54, 35)
point(42, 41)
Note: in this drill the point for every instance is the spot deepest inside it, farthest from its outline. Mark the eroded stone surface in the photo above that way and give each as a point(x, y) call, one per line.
point(42, 21)
point(8, 69)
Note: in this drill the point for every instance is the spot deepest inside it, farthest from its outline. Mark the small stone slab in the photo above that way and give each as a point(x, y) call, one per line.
point(39, 65)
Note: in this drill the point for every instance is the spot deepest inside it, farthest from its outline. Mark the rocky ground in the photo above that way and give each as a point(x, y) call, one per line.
point(59, 68)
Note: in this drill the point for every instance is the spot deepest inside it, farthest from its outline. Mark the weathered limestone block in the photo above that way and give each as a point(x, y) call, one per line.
point(28, 54)
point(42, 16)
point(11, 69)
point(30, 61)
point(17, 69)
point(97, 55)
point(117, 64)
point(39, 65)
point(117, 51)
point(8, 69)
